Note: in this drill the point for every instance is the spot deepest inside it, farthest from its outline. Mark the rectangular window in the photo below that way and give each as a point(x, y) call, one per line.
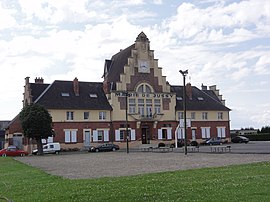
point(205, 132)
point(70, 115)
point(122, 135)
point(220, 115)
point(204, 116)
point(100, 135)
point(70, 136)
point(85, 115)
point(102, 115)
point(221, 132)
point(180, 115)
point(149, 107)
point(132, 106)
point(141, 107)
point(193, 115)
point(157, 106)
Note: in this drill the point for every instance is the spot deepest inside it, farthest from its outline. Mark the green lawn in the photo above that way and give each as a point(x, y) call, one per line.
point(250, 182)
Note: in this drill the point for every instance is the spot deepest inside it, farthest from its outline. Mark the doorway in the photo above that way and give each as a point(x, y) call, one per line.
point(87, 138)
point(145, 135)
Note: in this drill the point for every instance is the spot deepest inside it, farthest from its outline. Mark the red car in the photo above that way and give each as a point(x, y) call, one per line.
point(12, 151)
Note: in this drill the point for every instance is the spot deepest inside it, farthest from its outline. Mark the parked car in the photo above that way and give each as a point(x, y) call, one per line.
point(50, 148)
point(12, 151)
point(240, 139)
point(215, 141)
point(104, 147)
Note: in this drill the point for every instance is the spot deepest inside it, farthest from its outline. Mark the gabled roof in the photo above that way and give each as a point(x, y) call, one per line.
point(117, 63)
point(201, 100)
point(52, 97)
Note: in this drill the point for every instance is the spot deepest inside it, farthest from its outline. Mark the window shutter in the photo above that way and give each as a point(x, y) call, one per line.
point(95, 136)
point(223, 132)
point(133, 137)
point(74, 136)
point(219, 132)
point(208, 132)
point(169, 133)
point(117, 135)
point(106, 135)
point(160, 134)
point(67, 136)
point(203, 132)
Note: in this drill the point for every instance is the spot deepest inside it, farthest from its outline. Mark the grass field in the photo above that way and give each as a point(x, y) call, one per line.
point(250, 182)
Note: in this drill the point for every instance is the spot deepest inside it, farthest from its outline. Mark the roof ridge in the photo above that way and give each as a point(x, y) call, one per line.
point(40, 96)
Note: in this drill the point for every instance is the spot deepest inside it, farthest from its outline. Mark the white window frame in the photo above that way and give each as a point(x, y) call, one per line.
point(86, 113)
point(205, 132)
point(220, 115)
point(181, 133)
point(180, 115)
point(221, 132)
point(70, 135)
point(70, 115)
point(102, 115)
point(169, 134)
point(204, 115)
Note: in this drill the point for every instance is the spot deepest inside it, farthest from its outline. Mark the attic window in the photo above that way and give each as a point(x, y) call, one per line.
point(200, 98)
point(179, 98)
point(93, 95)
point(65, 94)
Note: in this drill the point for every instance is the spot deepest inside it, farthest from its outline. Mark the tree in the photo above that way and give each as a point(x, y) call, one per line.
point(36, 123)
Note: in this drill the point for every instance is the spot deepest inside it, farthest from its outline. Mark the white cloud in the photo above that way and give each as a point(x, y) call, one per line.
point(6, 17)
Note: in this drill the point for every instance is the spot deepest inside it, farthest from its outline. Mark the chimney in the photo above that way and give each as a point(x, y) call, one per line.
point(39, 80)
point(189, 90)
point(76, 86)
point(204, 87)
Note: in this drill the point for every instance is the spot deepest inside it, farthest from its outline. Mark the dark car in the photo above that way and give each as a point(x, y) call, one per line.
point(12, 151)
point(240, 139)
point(104, 147)
point(215, 141)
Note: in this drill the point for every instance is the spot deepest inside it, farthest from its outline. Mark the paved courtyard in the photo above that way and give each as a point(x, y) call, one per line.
point(96, 165)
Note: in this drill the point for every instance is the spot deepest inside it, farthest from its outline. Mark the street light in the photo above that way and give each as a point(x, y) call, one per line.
point(127, 135)
point(184, 73)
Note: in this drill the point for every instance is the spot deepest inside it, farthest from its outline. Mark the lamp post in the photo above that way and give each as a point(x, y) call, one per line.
point(127, 135)
point(184, 73)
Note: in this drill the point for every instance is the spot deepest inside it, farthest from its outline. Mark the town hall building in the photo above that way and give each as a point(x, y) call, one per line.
point(134, 96)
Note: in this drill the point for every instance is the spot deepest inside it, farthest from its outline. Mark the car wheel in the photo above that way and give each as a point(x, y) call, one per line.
point(4, 155)
point(97, 150)
point(113, 149)
point(57, 152)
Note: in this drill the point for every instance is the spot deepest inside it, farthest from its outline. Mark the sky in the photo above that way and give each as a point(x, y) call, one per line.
point(221, 42)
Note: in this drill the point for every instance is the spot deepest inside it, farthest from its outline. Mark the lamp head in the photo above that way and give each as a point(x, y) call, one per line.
point(184, 73)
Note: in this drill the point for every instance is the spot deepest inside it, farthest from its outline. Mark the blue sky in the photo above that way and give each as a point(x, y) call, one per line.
point(223, 43)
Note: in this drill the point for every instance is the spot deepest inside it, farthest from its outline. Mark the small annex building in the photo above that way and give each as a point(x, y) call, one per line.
point(88, 113)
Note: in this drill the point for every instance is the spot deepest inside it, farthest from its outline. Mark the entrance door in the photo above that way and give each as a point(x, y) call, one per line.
point(193, 134)
point(87, 138)
point(145, 136)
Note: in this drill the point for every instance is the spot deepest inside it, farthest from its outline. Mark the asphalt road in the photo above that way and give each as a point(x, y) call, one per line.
point(103, 164)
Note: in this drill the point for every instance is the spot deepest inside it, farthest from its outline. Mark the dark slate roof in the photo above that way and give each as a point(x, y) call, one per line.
point(37, 89)
point(52, 97)
point(210, 100)
point(117, 63)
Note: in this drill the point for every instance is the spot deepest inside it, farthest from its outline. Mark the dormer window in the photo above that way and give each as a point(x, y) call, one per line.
point(93, 95)
point(200, 98)
point(65, 94)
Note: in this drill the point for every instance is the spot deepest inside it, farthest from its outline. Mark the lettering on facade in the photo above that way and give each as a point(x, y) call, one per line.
point(144, 95)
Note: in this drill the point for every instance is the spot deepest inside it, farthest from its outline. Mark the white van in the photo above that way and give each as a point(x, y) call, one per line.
point(50, 148)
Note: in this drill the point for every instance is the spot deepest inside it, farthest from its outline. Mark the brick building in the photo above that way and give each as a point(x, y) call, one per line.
point(88, 113)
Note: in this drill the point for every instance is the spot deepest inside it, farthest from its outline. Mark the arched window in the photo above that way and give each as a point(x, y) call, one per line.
point(144, 88)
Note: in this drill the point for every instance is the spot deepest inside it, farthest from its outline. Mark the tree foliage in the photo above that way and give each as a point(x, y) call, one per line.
point(36, 123)
point(265, 129)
